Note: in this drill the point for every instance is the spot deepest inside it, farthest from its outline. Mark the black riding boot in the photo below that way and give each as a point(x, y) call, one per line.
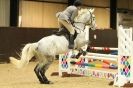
point(71, 42)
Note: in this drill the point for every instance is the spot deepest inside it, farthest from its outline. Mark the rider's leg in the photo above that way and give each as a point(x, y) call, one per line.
point(70, 28)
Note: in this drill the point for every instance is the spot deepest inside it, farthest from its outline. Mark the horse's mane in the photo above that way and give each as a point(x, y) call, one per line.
point(83, 11)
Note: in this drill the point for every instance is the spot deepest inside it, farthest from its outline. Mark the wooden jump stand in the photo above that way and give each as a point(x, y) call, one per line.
point(124, 61)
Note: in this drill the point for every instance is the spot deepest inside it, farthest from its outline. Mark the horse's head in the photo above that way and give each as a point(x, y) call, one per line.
point(92, 22)
point(86, 17)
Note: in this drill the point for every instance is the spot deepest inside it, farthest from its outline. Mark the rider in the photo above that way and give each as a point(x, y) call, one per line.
point(66, 19)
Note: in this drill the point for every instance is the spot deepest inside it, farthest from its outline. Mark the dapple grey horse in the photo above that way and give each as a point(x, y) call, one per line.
point(48, 47)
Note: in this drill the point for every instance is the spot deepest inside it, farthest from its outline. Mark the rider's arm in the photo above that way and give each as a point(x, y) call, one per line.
point(74, 14)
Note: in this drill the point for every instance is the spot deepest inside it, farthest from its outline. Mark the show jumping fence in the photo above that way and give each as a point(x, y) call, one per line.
point(109, 70)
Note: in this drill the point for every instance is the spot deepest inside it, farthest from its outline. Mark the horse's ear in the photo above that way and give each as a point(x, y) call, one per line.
point(92, 10)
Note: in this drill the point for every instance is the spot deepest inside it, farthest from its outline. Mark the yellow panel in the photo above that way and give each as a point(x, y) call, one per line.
point(102, 17)
point(104, 3)
point(31, 14)
point(4, 12)
point(49, 14)
point(38, 14)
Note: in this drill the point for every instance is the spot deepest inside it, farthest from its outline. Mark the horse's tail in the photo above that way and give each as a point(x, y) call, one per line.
point(27, 53)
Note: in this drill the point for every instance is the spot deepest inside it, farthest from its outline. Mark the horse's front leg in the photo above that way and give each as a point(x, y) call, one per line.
point(81, 52)
point(40, 70)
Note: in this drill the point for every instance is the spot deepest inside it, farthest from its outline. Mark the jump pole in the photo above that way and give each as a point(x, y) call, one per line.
point(103, 48)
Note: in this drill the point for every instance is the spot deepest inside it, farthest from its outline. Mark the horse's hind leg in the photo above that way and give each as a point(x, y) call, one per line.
point(37, 71)
point(40, 70)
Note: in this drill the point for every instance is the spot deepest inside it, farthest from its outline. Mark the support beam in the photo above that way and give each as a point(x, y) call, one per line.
point(113, 14)
point(14, 12)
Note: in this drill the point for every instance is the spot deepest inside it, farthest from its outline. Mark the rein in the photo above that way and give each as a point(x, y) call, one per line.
point(80, 28)
point(90, 18)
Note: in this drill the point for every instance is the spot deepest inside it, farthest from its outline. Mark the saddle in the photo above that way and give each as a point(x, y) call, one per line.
point(64, 32)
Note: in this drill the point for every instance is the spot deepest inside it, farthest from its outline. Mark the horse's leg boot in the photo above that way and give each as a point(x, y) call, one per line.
point(71, 42)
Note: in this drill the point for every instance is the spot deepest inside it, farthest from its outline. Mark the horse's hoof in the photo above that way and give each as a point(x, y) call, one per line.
point(51, 82)
point(77, 57)
point(73, 56)
point(46, 82)
point(84, 53)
